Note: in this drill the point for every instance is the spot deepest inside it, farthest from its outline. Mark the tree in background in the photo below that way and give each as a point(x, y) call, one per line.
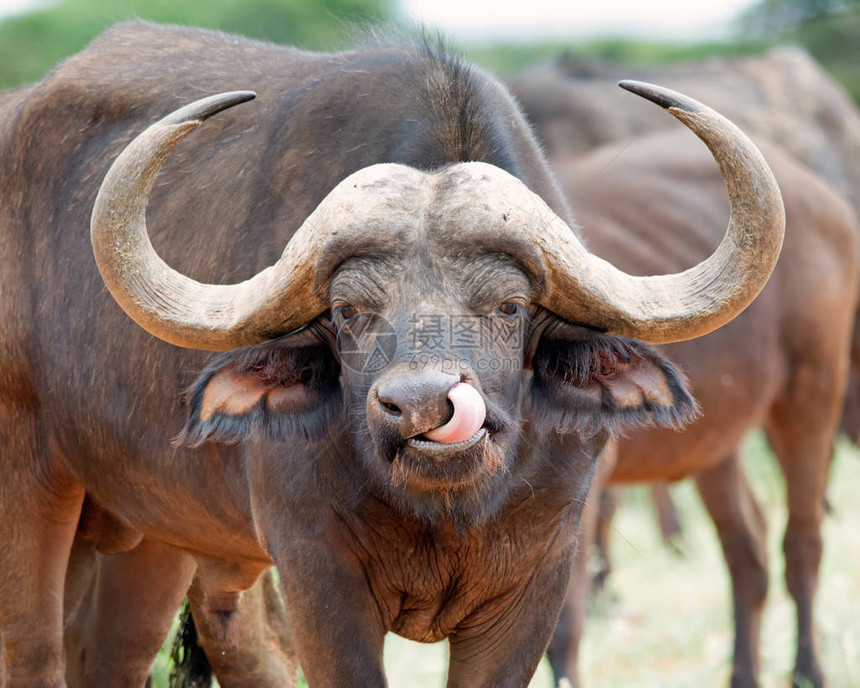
point(828, 29)
point(31, 44)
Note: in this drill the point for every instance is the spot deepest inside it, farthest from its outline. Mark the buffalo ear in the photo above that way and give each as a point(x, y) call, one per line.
point(591, 382)
point(284, 387)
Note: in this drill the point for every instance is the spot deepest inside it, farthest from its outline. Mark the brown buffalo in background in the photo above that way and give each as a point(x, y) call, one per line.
point(783, 96)
point(784, 363)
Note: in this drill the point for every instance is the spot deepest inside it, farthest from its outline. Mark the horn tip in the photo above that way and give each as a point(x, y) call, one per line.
point(664, 97)
point(206, 107)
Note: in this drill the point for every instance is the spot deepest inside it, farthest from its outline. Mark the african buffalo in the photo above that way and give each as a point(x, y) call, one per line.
point(411, 401)
point(782, 364)
point(782, 96)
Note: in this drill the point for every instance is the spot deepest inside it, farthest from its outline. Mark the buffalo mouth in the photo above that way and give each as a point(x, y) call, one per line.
point(430, 466)
point(441, 449)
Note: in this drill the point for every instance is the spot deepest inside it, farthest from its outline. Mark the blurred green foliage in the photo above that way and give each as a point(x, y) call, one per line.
point(828, 29)
point(506, 59)
point(769, 16)
point(33, 43)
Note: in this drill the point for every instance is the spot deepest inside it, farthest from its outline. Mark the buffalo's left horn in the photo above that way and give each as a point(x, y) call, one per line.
point(670, 308)
point(165, 302)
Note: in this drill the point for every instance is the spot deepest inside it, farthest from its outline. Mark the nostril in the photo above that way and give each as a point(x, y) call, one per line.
point(391, 409)
point(414, 402)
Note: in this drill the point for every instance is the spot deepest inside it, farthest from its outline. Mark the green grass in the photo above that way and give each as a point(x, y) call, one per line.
point(671, 622)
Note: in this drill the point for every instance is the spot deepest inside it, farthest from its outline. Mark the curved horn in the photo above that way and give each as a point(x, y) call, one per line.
point(165, 302)
point(670, 308)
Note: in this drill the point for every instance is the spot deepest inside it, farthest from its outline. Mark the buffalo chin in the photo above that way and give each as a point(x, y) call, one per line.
point(460, 483)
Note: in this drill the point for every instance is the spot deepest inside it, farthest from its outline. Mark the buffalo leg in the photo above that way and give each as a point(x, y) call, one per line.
point(258, 651)
point(81, 569)
point(800, 428)
point(804, 455)
point(114, 634)
point(39, 510)
point(608, 504)
point(563, 650)
point(667, 516)
point(742, 530)
point(336, 621)
point(504, 651)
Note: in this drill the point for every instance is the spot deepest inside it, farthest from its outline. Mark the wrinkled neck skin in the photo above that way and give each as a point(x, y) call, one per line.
point(327, 517)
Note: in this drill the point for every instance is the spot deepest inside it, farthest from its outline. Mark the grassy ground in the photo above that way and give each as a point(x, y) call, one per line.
point(670, 622)
point(666, 620)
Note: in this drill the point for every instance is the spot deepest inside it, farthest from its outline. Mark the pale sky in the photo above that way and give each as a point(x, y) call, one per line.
point(14, 6)
point(526, 19)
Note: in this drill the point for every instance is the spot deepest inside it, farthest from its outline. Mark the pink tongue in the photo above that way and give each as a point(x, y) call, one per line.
point(469, 415)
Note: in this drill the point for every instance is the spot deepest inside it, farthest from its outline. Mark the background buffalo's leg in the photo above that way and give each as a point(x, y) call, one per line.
point(806, 476)
point(83, 562)
point(850, 422)
point(667, 516)
point(742, 529)
point(607, 506)
point(800, 428)
point(804, 448)
point(258, 651)
point(563, 650)
point(39, 511)
point(116, 630)
point(79, 573)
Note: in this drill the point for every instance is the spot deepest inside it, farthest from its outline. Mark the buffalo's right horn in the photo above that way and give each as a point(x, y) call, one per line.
point(670, 308)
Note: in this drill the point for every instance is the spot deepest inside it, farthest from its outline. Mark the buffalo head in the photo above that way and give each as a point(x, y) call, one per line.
point(443, 317)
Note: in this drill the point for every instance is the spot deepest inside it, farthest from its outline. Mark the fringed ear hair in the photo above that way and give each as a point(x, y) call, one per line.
point(283, 387)
point(585, 382)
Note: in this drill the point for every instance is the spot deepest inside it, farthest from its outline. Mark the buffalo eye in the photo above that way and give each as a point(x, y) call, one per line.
point(346, 311)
